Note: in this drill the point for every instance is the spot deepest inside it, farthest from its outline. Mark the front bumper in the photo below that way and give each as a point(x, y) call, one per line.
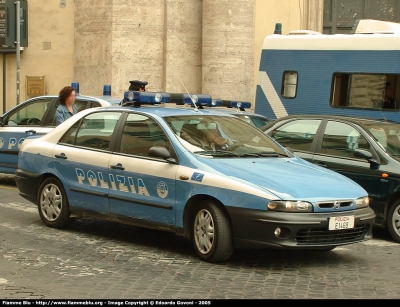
point(256, 229)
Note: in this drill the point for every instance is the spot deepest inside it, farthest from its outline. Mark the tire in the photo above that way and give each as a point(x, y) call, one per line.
point(53, 204)
point(393, 221)
point(211, 234)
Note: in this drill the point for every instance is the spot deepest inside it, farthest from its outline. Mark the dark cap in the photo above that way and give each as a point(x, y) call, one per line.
point(137, 84)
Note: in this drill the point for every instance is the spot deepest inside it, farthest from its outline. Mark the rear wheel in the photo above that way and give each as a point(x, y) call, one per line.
point(53, 204)
point(393, 221)
point(211, 233)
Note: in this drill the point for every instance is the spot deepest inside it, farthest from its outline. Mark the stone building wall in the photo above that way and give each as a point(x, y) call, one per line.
point(199, 46)
point(228, 43)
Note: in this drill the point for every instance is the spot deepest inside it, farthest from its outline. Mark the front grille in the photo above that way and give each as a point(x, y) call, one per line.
point(331, 204)
point(324, 236)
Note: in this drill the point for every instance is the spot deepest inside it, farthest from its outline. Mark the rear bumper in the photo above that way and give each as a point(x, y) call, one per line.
point(28, 184)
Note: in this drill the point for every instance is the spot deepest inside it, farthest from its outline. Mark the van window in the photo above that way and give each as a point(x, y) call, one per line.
point(289, 84)
point(366, 91)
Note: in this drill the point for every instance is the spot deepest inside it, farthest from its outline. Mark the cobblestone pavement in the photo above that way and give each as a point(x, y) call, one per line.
point(100, 260)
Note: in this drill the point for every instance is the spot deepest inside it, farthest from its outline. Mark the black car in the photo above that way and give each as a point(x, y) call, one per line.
point(365, 150)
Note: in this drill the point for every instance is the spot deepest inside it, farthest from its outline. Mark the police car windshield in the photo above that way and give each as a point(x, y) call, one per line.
point(206, 133)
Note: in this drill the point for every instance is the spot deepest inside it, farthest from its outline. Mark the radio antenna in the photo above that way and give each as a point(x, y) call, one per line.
point(191, 98)
point(87, 81)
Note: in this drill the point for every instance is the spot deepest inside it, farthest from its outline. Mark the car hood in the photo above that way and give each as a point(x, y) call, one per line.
point(289, 177)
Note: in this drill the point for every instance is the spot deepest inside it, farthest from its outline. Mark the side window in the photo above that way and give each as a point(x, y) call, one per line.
point(93, 131)
point(289, 84)
point(366, 91)
point(81, 104)
point(30, 114)
point(140, 133)
point(298, 134)
point(342, 139)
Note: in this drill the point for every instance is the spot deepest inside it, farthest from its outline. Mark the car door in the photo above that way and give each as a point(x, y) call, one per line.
point(298, 135)
point(83, 155)
point(142, 186)
point(24, 120)
point(335, 151)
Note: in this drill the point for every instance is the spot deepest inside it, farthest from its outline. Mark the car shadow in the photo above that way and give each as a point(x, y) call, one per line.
point(382, 233)
point(7, 179)
point(167, 245)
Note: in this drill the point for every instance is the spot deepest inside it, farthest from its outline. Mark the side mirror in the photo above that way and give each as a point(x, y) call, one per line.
point(161, 152)
point(364, 154)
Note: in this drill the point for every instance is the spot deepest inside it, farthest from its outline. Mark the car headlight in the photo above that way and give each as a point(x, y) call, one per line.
point(290, 206)
point(362, 202)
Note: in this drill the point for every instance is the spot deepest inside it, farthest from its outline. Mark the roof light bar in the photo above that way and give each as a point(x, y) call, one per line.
point(231, 104)
point(136, 98)
point(195, 99)
point(139, 98)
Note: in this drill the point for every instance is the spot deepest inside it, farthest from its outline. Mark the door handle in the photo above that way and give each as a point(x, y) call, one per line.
point(62, 156)
point(118, 166)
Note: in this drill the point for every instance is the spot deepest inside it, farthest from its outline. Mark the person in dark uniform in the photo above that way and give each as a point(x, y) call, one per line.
point(138, 85)
point(135, 86)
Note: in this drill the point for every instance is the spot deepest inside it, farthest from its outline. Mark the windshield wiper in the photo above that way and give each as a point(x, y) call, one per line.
point(248, 154)
point(269, 154)
point(219, 153)
point(262, 154)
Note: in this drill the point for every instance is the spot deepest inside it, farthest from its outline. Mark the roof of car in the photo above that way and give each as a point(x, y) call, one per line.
point(238, 112)
point(105, 99)
point(169, 110)
point(352, 119)
point(233, 110)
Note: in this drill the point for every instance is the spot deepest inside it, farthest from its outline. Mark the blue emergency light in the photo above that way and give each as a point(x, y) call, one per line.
point(107, 90)
point(75, 85)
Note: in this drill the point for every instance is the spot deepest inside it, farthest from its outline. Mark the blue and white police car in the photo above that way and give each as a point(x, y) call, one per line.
point(36, 116)
point(207, 176)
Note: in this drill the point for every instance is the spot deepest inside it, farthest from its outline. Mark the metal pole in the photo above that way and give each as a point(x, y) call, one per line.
point(18, 51)
point(4, 82)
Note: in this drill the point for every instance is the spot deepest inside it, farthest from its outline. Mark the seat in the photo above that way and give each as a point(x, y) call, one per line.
point(191, 134)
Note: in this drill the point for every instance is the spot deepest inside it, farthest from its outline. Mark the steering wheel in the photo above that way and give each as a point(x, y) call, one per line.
point(34, 121)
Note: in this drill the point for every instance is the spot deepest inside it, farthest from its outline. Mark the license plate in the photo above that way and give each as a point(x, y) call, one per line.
point(341, 222)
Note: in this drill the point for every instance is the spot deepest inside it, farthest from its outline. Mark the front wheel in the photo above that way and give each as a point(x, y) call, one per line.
point(211, 233)
point(393, 221)
point(53, 204)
